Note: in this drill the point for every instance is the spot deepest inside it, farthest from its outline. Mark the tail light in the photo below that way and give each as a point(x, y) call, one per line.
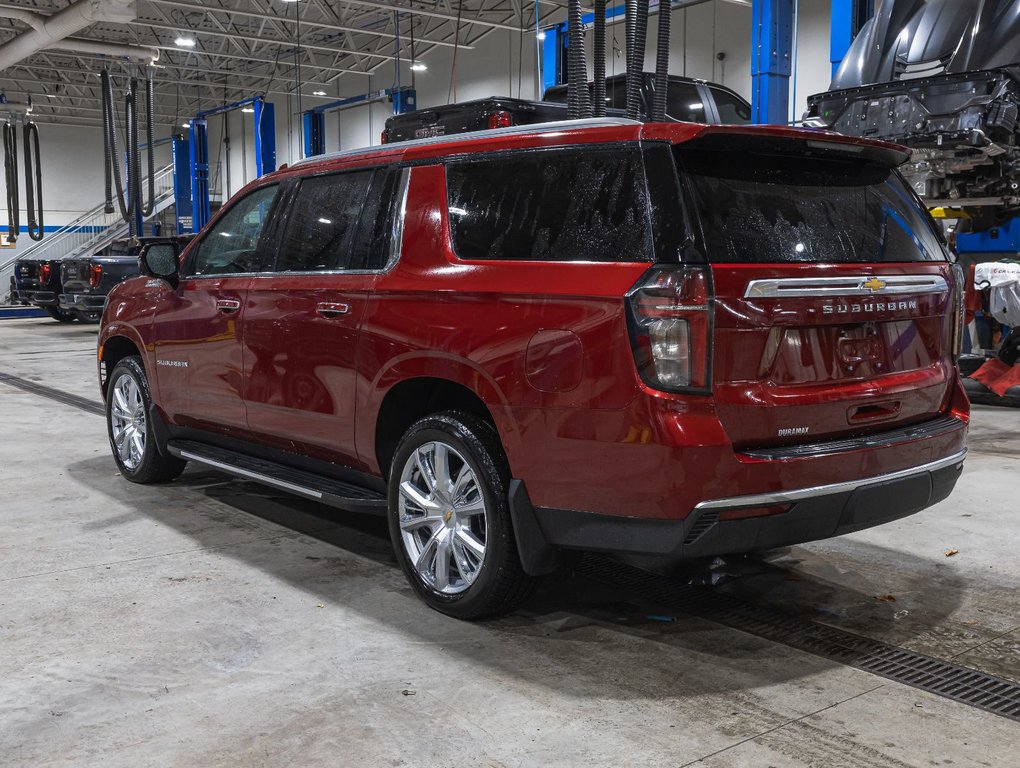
point(95, 274)
point(959, 311)
point(384, 139)
point(501, 120)
point(671, 328)
point(44, 273)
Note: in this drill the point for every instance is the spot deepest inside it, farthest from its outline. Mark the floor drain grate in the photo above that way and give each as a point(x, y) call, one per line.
point(60, 396)
point(952, 681)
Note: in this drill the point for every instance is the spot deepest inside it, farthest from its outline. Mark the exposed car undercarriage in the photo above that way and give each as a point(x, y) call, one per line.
point(939, 77)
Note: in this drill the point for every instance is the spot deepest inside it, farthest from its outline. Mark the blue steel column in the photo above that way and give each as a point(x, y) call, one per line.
point(771, 60)
point(265, 137)
point(848, 17)
point(199, 174)
point(182, 185)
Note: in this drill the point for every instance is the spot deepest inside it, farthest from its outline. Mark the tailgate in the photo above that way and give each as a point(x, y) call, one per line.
point(833, 302)
point(816, 352)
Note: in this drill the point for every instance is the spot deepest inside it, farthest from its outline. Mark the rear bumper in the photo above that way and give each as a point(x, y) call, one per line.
point(40, 298)
point(83, 301)
point(816, 512)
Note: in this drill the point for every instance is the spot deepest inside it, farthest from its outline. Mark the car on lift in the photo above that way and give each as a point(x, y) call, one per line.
point(36, 282)
point(86, 282)
point(941, 77)
point(688, 99)
point(667, 340)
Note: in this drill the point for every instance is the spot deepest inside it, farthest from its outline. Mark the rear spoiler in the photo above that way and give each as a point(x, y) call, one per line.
point(775, 140)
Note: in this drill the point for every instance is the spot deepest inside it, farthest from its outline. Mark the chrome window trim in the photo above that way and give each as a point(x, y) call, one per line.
point(781, 497)
point(821, 287)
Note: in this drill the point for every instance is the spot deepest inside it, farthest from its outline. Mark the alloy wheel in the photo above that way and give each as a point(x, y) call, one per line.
point(127, 421)
point(443, 518)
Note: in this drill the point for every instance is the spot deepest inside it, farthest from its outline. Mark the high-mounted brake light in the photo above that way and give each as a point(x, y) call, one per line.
point(670, 321)
point(95, 274)
point(500, 120)
point(44, 273)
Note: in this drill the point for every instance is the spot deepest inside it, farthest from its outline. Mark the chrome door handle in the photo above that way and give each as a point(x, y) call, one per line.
point(228, 305)
point(332, 309)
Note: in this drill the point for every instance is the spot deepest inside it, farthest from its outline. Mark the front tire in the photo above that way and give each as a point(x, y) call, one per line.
point(131, 435)
point(449, 518)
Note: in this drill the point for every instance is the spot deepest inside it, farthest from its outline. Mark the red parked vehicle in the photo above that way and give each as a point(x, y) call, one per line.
point(666, 340)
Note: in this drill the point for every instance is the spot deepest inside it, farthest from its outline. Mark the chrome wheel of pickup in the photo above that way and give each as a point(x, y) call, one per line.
point(127, 421)
point(443, 517)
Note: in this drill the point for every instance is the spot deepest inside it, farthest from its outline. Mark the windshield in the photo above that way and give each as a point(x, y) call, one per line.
point(782, 208)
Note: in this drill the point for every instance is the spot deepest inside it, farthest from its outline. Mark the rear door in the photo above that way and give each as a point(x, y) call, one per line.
point(302, 318)
point(833, 301)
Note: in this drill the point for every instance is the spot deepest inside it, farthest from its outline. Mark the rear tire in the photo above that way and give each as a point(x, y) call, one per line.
point(59, 315)
point(132, 439)
point(449, 518)
point(87, 317)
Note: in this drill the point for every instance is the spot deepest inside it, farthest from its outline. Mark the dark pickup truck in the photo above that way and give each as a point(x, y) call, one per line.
point(688, 100)
point(37, 282)
point(85, 282)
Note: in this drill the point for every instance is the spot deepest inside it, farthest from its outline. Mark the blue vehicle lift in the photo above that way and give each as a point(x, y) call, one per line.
point(403, 99)
point(771, 60)
point(265, 151)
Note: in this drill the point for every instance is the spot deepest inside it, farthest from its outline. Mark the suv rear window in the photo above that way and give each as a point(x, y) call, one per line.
point(574, 205)
point(782, 208)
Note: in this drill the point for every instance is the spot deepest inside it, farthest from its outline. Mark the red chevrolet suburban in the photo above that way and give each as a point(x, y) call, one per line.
point(668, 340)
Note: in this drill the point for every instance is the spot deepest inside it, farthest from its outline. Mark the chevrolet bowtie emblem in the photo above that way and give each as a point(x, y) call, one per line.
point(874, 285)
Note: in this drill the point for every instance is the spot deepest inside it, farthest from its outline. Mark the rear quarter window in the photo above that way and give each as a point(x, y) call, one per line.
point(574, 205)
point(785, 208)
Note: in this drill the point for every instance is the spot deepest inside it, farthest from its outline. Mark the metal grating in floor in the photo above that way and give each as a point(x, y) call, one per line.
point(91, 406)
point(952, 681)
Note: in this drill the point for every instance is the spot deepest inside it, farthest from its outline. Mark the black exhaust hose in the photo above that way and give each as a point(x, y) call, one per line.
point(134, 174)
point(599, 61)
point(633, 72)
point(150, 109)
point(108, 205)
point(11, 175)
point(640, 33)
point(110, 118)
point(661, 64)
point(33, 182)
point(577, 68)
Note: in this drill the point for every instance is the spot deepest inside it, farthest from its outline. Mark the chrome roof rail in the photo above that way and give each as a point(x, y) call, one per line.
point(559, 125)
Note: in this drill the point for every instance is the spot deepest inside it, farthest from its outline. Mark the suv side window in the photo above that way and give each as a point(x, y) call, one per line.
point(232, 245)
point(586, 204)
point(380, 228)
point(732, 110)
point(322, 222)
point(684, 102)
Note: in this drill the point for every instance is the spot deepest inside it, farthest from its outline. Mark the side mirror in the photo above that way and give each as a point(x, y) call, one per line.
point(160, 260)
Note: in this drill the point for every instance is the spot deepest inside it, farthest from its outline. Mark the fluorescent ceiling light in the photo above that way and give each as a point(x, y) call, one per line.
point(185, 125)
point(541, 35)
point(419, 66)
point(318, 93)
point(185, 42)
point(248, 109)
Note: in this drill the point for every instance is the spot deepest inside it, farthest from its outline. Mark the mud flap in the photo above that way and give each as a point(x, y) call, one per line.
point(538, 557)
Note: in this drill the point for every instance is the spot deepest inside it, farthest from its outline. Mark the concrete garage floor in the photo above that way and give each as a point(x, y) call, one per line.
point(215, 623)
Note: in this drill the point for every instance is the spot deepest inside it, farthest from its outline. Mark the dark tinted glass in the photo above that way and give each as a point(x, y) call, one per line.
point(589, 205)
point(231, 245)
point(732, 110)
point(377, 230)
point(775, 208)
point(322, 221)
point(683, 102)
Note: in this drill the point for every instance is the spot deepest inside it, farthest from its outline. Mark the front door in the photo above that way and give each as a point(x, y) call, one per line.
point(197, 328)
point(302, 317)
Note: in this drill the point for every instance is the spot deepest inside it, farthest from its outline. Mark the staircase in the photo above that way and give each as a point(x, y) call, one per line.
point(91, 231)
